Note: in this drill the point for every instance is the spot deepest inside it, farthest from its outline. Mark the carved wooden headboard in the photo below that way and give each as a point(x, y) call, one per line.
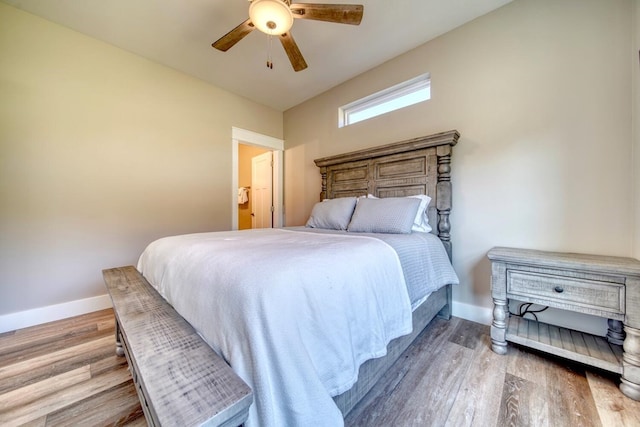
point(416, 166)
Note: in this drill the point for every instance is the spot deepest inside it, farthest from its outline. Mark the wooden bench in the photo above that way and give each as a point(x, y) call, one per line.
point(180, 380)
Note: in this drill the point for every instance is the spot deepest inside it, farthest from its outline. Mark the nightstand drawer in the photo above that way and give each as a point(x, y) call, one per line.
point(564, 292)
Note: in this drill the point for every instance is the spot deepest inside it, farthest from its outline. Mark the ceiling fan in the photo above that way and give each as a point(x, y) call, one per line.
point(275, 17)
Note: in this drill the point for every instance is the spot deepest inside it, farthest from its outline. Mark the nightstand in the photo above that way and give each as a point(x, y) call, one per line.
point(602, 286)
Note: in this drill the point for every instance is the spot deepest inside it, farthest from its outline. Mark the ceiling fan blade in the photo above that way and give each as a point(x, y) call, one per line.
point(227, 41)
point(290, 46)
point(339, 13)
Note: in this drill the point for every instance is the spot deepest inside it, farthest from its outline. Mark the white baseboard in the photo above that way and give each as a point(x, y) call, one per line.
point(474, 313)
point(37, 316)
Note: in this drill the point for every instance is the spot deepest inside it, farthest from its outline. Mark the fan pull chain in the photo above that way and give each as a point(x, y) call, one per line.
point(269, 44)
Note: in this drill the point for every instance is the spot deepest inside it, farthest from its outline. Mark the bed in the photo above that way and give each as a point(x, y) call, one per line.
point(312, 350)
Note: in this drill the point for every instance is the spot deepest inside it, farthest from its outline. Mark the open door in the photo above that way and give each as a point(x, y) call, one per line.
point(276, 146)
point(262, 190)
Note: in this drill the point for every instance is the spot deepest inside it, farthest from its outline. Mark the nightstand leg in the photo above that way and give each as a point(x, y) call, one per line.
point(615, 333)
point(499, 326)
point(630, 381)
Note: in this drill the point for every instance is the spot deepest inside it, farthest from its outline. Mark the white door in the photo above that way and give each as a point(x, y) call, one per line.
point(262, 190)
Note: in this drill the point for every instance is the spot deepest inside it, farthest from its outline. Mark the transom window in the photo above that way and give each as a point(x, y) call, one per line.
point(399, 96)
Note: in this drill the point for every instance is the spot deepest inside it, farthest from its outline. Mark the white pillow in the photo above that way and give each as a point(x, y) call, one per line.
point(332, 214)
point(421, 221)
point(390, 215)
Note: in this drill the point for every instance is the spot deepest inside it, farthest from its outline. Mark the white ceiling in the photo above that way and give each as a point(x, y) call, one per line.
point(179, 33)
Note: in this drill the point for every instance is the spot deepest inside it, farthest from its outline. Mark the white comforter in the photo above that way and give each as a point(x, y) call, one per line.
point(294, 313)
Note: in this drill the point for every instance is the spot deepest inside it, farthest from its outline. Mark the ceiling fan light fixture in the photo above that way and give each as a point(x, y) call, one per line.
point(271, 16)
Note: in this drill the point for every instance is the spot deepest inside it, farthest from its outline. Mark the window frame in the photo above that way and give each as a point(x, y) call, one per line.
point(409, 87)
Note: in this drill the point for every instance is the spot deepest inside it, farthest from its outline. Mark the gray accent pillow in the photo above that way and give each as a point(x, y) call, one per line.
point(332, 214)
point(390, 215)
point(421, 221)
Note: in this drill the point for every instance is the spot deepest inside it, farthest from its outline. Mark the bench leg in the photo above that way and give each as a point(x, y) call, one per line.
point(119, 349)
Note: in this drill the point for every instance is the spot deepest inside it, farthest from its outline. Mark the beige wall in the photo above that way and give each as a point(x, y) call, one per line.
point(102, 151)
point(540, 91)
point(245, 154)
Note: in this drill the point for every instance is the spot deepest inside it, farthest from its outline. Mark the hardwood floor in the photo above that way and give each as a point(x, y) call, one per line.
point(450, 377)
point(66, 373)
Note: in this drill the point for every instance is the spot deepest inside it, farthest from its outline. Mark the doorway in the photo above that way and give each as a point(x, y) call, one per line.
point(255, 187)
point(266, 144)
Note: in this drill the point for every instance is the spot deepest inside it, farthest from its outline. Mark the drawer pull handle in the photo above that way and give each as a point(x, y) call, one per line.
point(558, 289)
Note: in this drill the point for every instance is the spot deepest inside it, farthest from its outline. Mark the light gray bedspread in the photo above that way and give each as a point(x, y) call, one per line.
point(295, 312)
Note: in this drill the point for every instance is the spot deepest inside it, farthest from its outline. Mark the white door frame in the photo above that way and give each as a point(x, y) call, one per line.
point(248, 137)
